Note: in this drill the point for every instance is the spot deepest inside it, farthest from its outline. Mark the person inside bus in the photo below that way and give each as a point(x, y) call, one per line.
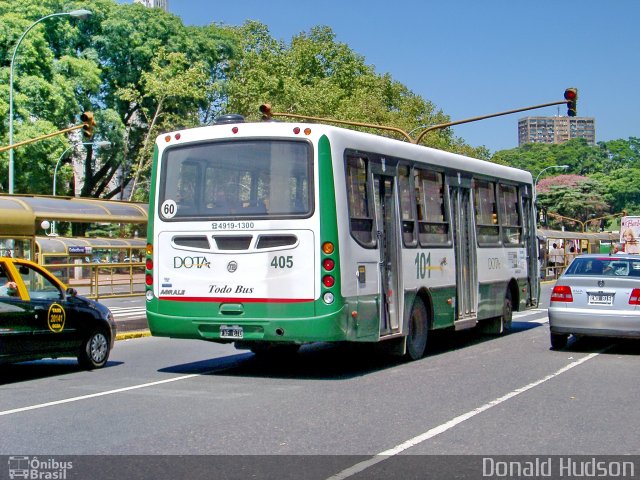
point(220, 202)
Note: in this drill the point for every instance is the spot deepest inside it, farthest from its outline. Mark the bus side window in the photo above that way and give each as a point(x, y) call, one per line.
point(488, 230)
point(510, 214)
point(408, 217)
point(361, 221)
point(433, 224)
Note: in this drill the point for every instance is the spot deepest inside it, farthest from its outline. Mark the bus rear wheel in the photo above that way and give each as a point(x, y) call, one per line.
point(418, 331)
point(502, 324)
point(506, 319)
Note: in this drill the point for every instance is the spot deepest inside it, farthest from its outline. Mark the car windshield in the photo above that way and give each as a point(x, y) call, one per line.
point(604, 266)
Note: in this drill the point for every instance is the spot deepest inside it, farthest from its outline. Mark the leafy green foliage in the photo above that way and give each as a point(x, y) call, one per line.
point(107, 64)
point(317, 76)
point(141, 71)
point(601, 180)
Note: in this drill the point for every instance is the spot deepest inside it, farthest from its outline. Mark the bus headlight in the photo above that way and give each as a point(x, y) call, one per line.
point(328, 298)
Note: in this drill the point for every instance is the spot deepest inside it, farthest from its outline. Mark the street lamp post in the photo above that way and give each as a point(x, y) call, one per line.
point(535, 183)
point(102, 144)
point(81, 14)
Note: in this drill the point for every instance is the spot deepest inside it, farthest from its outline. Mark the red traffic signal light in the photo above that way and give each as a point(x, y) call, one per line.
point(571, 96)
point(89, 123)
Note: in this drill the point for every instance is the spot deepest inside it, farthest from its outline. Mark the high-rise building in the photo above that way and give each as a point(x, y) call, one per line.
point(556, 129)
point(163, 4)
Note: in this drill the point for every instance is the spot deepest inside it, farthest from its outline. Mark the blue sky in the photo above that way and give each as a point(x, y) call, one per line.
point(475, 57)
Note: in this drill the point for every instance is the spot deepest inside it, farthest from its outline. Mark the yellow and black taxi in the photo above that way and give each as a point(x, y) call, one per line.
point(41, 318)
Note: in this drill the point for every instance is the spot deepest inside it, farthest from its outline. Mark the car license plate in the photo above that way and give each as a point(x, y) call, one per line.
point(599, 299)
point(233, 331)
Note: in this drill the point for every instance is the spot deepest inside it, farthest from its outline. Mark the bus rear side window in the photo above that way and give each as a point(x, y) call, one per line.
point(361, 222)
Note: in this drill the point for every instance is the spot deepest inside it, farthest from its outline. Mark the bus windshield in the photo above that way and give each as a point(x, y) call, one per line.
point(240, 178)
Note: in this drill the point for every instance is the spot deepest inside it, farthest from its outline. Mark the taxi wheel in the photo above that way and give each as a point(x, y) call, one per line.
point(95, 350)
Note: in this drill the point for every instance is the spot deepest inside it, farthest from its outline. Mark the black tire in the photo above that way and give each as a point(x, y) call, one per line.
point(506, 320)
point(502, 324)
point(558, 340)
point(418, 331)
point(95, 350)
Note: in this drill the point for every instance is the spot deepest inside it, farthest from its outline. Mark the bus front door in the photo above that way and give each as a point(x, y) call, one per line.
point(465, 254)
point(387, 239)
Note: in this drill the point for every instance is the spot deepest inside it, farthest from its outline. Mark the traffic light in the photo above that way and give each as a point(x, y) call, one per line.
point(265, 110)
point(571, 96)
point(89, 123)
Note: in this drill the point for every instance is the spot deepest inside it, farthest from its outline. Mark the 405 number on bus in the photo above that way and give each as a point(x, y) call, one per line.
point(280, 261)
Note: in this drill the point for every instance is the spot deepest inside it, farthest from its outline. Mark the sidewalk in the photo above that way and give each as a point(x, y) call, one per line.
point(127, 328)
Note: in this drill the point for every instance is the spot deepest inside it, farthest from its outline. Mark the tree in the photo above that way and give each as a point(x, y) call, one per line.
point(613, 165)
point(572, 196)
point(171, 81)
point(66, 67)
point(317, 76)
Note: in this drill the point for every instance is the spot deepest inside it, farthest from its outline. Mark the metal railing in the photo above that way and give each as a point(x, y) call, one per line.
point(102, 280)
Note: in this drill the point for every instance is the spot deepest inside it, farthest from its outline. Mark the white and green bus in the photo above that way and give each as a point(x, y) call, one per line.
point(272, 235)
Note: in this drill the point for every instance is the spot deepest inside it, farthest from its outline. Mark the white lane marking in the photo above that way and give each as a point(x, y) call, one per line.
point(124, 312)
point(382, 456)
point(98, 394)
point(527, 313)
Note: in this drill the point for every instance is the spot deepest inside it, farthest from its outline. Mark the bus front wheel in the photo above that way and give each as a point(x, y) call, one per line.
point(418, 331)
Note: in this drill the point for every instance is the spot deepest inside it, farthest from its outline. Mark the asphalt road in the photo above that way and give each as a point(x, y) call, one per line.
point(129, 312)
point(355, 413)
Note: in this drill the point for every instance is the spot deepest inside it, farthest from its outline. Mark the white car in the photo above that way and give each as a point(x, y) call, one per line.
point(597, 295)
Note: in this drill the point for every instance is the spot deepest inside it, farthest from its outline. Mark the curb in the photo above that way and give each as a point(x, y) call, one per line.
point(133, 334)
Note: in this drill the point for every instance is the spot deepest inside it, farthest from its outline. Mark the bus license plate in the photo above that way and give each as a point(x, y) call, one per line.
point(233, 331)
point(600, 299)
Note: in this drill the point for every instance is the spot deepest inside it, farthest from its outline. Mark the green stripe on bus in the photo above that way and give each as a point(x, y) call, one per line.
point(152, 206)
point(328, 226)
point(259, 322)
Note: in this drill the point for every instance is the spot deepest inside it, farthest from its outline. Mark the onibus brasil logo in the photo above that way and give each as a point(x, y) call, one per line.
point(35, 468)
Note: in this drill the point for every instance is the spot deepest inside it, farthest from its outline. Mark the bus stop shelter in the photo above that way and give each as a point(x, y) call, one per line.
point(89, 263)
point(23, 217)
point(567, 244)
